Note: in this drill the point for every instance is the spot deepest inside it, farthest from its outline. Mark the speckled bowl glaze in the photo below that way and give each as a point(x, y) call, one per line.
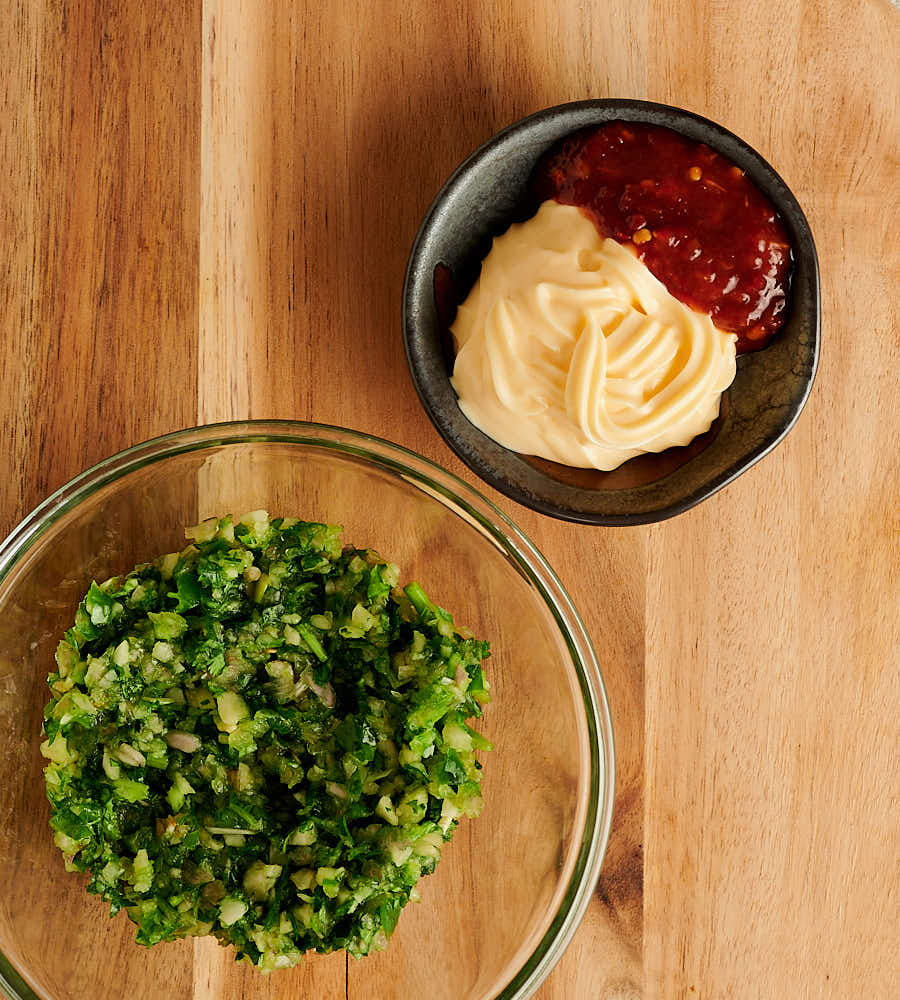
point(487, 193)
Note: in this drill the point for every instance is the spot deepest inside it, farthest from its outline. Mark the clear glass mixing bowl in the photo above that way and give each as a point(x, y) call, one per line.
point(512, 885)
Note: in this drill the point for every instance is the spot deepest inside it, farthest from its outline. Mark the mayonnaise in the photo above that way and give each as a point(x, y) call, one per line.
point(571, 350)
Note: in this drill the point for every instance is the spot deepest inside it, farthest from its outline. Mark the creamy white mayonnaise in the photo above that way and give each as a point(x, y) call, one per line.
point(568, 348)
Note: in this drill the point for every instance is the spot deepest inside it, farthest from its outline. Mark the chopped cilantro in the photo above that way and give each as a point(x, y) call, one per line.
point(262, 738)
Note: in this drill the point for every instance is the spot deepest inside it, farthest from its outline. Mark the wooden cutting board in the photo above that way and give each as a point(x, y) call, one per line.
point(205, 213)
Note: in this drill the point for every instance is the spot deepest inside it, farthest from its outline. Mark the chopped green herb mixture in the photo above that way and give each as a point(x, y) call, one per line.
point(262, 738)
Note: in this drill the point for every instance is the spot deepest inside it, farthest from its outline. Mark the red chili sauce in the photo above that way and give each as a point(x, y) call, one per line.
point(698, 223)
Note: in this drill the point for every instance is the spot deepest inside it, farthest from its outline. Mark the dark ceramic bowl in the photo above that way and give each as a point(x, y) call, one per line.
point(487, 193)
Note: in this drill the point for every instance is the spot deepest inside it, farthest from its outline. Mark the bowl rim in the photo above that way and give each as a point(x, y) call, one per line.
point(492, 522)
point(417, 362)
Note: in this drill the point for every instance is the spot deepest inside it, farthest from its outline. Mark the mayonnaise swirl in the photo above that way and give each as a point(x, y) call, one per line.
point(570, 349)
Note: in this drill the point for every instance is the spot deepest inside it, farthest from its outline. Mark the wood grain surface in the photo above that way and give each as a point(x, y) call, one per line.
point(205, 214)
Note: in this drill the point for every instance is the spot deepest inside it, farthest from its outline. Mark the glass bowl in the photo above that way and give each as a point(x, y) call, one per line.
point(512, 885)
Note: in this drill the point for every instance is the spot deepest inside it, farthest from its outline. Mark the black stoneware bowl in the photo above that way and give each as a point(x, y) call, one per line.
point(487, 193)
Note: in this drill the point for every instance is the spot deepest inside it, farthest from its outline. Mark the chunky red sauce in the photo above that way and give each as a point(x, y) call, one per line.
point(702, 227)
